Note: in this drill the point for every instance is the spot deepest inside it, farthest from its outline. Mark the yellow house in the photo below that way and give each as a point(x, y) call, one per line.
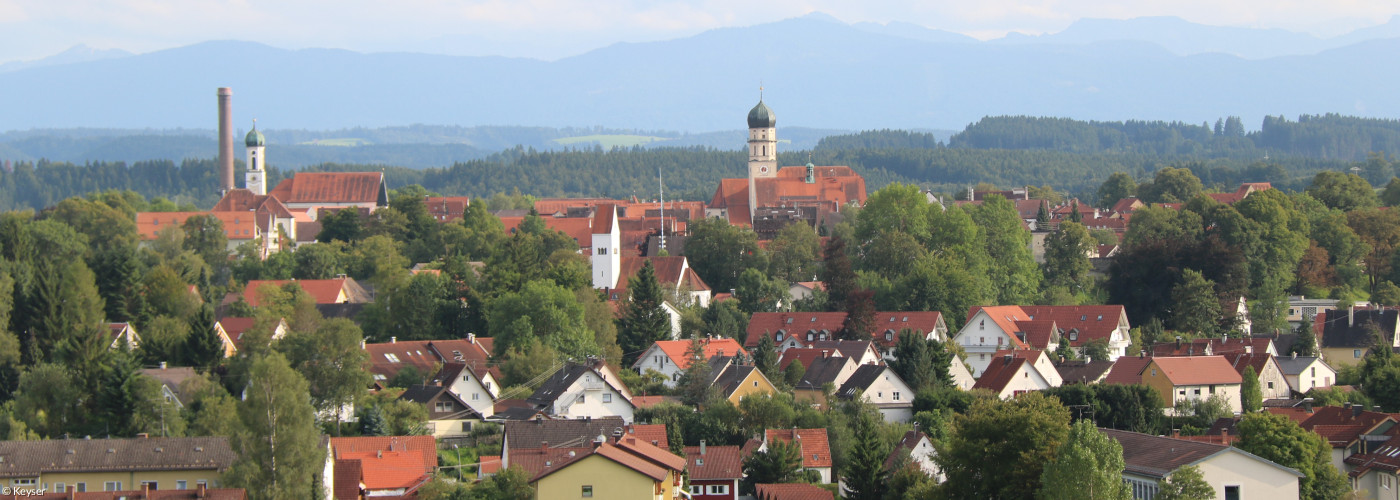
point(626, 469)
point(1345, 337)
point(115, 464)
point(1190, 378)
point(736, 382)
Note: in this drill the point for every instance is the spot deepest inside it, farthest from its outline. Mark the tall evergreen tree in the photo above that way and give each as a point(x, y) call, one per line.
point(1306, 343)
point(865, 472)
point(765, 357)
point(277, 446)
point(643, 320)
point(920, 362)
point(694, 383)
point(1251, 398)
point(1074, 215)
point(203, 347)
point(837, 273)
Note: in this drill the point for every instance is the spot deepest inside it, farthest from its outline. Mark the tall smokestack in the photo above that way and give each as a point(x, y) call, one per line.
point(225, 138)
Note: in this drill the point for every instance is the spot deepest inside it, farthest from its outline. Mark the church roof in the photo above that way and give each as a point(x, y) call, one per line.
point(761, 116)
point(254, 138)
point(332, 187)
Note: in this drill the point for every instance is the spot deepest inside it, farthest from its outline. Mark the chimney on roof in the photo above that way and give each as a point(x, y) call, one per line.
point(1176, 433)
point(702, 446)
point(393, 340)
point(471, 337)
point(544, 445)
point(1178, 342)
point(1307, 405)
point(379, 454)
point(1351, 315)
point(162, 365)
point(1006, 358)
point(1357, 409)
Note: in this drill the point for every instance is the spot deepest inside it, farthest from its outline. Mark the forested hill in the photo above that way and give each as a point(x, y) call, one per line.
point(690, 174)
point(1327, 137)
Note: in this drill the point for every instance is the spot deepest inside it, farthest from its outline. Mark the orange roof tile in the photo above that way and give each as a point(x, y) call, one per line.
point(1127, 370)
point(387, 470)
point(791, 491)
point(816, 451)
point(425, 446)
point(578, 228)
point(649, 433)
point(999, 372)
point(1197, 370)
point(238, 226)
point(676, 349)
point(332, 291)
point(718, 462)
point(490, 464)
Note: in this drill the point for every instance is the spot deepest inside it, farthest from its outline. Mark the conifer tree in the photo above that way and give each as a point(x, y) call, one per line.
point(765, 357)
point(203, 347)
point(837, 274)
point(1306, 343)
point(865, 473)
point(643, 320)
point(1251, 397)
point(695, 380)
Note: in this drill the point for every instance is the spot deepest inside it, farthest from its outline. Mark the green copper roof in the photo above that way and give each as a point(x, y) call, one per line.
point(762, 117)
point(254, 138)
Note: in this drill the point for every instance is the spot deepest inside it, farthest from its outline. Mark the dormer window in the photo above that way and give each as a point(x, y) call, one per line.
point(889, 335)
point(809, 336)
point(778, 337)
point(1100, 317)
point(1083, 317)
point(1073, 335)
point(814, 319)
point(789, 321)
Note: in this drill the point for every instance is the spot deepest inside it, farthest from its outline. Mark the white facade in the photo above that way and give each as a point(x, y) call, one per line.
point(256, 177)
point(592, 397)
point(1315, 375)
point(960, 374)
point(981, 338)
point(656, 359)
point(607, 254)
point(477, 393)
point(892, 396)
point(1026, 379)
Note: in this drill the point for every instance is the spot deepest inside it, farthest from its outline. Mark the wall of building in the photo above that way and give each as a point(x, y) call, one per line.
point(1255, 479)
point(165, 480)
point(608, 479)
point(1342, 356)
point(755, 383)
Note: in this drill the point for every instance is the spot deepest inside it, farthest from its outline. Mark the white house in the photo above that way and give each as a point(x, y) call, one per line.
point(1011, 375)
point(589, 390)
point(916, 447)
point(476, 387)
point(1305, 373)
point(882, 387)
point(993, 328)
point(1230, 472)
point(668, 356)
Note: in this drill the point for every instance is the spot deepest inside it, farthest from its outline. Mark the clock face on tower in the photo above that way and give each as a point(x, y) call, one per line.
point(763, 169)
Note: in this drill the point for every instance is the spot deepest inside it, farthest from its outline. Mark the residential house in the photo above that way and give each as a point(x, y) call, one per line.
point(123, 336)
point(448, 415)
point(232, 329)
point(472, 383)
point(1344, 337)
point(830, 371)
point(863, 352)
point(801, 329)
point(791, 491)
point(1192, 378)
point(1305, 373)
point(1012, 375)
point(668, 357)
point(531, 436)
point(816, 450)
point(239, 227)
point(735, 382)
point(1272, 382)
point(992, 328)
point(804, 355)
point(882, 387)
point(1348, 429)
point(1375, 470)
point(171, 378)
point(115, 464)
point(1083, 372)
point(447, 208)
point(714, 472)
point(1215, 346)
point(1127, 370)
point(332, 291)
point(584, 390)
point(429, 360)
point(914, 449)
point(1231, 472)
point(624, 468)
point(1300, 307)
point(371, 474)
point(803, 290)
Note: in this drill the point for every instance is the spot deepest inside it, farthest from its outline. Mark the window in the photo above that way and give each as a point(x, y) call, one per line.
point(982, 325)
point(699, 462)
point(981, 340)
point(1232, 493)
point(607, 398)
point(809, 336)
point(151, 485)
point(999, 341)
point(1182, 392)
point(442, 406)
point(602, 251)
point(23, 482)
point(476, 396)
point(466, 426)
point(1197, 391)
point(1356, 353)
point(181, 484)
point(466, 378)
point(112, 486)
point(587, 491)
point(1212, 388)
point(880, 394)
point(1083, 317)
point(889, 335)
point(1100, 317)
point(82, 487)
point(580, 398)
point(696, 489)
point(755, 383)
point(1313, 371)
point(778, 337)
point(719, 489)
point(391, 357)
point(60, 487)
point(896, 395)
point(1271, 385)
point(1154, 372)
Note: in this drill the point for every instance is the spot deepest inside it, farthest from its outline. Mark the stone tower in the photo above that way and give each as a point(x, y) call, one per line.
point(256, 177)
point(763, 148)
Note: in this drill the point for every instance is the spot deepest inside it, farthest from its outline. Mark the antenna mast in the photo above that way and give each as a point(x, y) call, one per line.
point(661, 192)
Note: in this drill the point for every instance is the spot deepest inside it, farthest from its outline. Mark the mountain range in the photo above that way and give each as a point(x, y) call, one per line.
point(818, 72)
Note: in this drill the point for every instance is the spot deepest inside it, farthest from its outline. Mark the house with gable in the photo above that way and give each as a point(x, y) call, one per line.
point(1083, 372)
point(1272, 383)
point(823, 371)
point(812, 443)
point(622, 468)
point(430, 360)
point(1230, 472)
point(734, 382)
point(448, 415)
point(123, 336)
point(791, 491)
point(1305, 373)
point(863, 352)
point(584, 390)
point(714, 472)
point(668, 357)
point(382, 466)
point(914, 449)
point(332, 291)
point(1014, 373)
point(523, 440)
point(882, 387)
point(232, 331)
point(1349, 429)
point(1344, 337)
point(992, 328)
point(612, 270)
point(1192, 378)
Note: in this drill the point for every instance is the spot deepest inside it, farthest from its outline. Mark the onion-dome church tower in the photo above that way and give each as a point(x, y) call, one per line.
point(256, 178)
point(763, 147)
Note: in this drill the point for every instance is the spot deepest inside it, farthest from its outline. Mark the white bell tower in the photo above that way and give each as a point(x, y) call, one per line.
point(256, 177)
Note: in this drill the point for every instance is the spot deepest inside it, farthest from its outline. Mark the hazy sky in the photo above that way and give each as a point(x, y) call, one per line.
point(549, 29)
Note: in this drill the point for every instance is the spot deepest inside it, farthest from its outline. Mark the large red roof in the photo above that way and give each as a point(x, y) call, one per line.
point(332, 291)
point(798, 323)
point(237, 225)
point(816, 450)
point(1127, 370)
point(424, 446)
point(330, 187)
point(676, 349)
point(1197, 370)
point(1000, 371)
point(388, 470)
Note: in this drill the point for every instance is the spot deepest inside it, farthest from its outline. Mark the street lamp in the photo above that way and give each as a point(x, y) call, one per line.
point(459, 462)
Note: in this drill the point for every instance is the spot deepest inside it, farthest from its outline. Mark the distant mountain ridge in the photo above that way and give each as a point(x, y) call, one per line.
point(819, 73)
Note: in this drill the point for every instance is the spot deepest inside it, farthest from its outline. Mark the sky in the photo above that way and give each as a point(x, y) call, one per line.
point(551, 29)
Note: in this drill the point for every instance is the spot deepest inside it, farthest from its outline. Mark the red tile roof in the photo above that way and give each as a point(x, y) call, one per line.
point(718, 462)
point(804, 354)
point(238, 226)
point(816, 451)
point(791, 491)
point(1341, 426)
point(999, 372)
point(798, 323)
point(676, 349)
point(655, 434)
point(347, 479)
point(835, 186)
point(332, 291)
point(447, 208)
point(603, 219)
point(1197, 370)
point(387, 470)
point(578, 228)
point(1127, 370)
point(330, 187)
point(490, 464)
point(424, 446)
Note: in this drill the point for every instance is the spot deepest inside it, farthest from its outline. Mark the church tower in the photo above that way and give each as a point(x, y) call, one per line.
point(256, 178)
point(763, 148)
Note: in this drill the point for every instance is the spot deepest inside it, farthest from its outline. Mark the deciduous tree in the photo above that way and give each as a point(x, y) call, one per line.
point(1000, 448)
point(277, 444)
point(1089, 465)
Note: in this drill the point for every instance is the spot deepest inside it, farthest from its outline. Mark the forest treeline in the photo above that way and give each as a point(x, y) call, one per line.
point(1328, 137)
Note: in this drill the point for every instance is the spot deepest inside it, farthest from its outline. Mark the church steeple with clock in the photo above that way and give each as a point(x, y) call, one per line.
point(763, 146)
point(256, 177)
